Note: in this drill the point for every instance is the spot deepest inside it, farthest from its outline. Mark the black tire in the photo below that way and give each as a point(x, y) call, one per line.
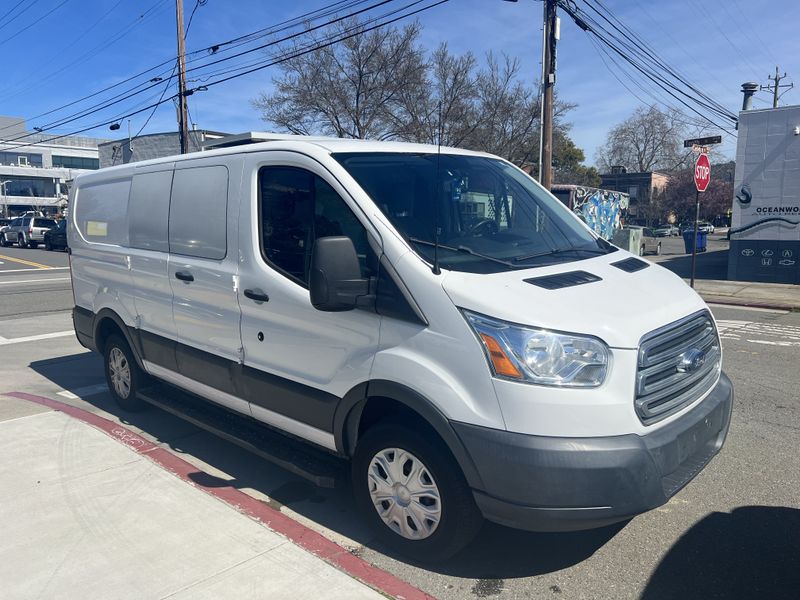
point(4, 242)
point(460, 517)
point(138, 379)
point(21, 241)
point(33, 245)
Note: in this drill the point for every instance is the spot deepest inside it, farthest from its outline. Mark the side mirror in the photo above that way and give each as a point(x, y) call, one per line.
point(335, 279)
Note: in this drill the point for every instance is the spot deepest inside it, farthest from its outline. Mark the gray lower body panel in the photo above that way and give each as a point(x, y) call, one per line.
point(560, 484)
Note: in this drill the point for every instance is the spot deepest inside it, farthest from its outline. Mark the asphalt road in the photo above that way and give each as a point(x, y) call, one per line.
point(33, 281)
point(731, 533)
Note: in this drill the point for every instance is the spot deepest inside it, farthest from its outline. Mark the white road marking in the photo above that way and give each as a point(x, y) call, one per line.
point(35, 338)
point(89, 390)
point(12, 271)
point(34, 280)
point(751, 331)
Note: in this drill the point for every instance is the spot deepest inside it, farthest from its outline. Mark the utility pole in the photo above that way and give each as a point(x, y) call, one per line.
point(776, 87)
point(183, 118)
point(548, 83)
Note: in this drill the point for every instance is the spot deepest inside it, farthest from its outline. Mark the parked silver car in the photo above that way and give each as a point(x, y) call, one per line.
point(27, 231)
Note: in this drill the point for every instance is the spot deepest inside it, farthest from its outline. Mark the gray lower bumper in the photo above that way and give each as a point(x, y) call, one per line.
point(561, 484)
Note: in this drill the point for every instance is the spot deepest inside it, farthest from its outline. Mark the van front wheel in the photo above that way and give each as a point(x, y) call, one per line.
point(413, 493)
point(123, 375)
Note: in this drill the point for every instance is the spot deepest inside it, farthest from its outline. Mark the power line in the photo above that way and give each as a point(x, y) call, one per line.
point(8, 12)
point(95, 50)
point(640, 45)
point(287, 56)
point(636, 53)
point(36, 22)
point(197, 54)
point(19, 14)
point(124, 95)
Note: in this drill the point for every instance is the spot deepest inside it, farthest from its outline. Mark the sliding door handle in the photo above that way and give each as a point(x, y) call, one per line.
point(184, 276)
point(257, 295)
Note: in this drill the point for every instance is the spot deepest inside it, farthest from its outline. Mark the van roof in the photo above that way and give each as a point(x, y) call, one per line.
point(250, 142)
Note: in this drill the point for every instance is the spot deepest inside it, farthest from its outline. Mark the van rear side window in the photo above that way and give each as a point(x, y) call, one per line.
point(198, 212)
point(149, 210)
point(101, 212)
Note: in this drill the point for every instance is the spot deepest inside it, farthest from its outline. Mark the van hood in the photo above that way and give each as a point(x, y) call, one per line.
point(617, 306)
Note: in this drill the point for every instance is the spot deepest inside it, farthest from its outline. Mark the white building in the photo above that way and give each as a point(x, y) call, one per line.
point(34, 173)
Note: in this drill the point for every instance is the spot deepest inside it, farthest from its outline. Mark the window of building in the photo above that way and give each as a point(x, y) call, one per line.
point(30, 187)
point(298, 207)
point(20, 158)
point(76, 162)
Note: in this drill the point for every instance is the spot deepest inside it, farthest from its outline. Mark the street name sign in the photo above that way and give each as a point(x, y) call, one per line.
point(705, 141)
point(702, 172)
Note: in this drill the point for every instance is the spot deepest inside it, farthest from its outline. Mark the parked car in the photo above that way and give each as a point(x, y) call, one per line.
point(705, 227)
point(513, 367)
point(665, 230)
point(55, 238)
point(28, 231)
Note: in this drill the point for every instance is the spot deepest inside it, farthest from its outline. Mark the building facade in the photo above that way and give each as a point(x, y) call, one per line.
point(35, 172)
point(765, 226)
point(154, 145)
point(643, 190)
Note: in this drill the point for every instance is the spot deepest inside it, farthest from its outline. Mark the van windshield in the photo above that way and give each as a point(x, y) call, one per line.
point(489, 216)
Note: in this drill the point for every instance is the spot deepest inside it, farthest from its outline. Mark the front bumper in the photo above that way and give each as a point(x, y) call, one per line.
point(562, 484)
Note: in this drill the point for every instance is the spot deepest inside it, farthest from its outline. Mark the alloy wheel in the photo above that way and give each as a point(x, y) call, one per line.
point(120, 372)
point(404, 493)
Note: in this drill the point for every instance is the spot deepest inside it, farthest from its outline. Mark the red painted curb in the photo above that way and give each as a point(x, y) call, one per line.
point(301, 535)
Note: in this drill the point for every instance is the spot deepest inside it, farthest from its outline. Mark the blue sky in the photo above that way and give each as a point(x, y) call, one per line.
point(716, 44)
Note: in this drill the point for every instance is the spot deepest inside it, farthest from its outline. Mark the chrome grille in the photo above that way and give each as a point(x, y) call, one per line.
point(670, 374)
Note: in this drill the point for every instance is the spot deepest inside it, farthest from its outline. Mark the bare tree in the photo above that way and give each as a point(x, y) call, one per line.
point(349, 89)
point(381, 85)
point(649, 140)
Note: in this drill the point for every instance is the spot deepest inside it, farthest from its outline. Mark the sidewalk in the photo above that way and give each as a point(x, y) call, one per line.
point(85, 515)
point(746, 293)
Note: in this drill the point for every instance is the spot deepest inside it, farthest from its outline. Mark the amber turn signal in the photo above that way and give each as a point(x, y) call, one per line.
point(500, 361)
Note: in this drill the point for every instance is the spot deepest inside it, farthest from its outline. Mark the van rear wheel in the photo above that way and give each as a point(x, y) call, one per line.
point(123, 375)
point(413, 493)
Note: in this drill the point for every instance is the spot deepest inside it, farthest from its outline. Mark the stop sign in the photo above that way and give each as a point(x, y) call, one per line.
point(702, 172)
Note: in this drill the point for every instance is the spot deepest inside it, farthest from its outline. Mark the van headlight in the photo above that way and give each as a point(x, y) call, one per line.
point(540, 356)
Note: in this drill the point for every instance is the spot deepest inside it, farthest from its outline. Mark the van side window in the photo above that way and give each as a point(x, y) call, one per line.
point(101, 210)
point(198, 223)
point(297, 207)
point(148, 210)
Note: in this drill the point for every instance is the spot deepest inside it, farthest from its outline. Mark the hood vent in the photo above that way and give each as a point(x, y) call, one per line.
point(631, 265)
point(562, 280)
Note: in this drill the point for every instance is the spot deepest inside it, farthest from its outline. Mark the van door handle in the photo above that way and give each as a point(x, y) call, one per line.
point(184, 276)
point(256, 295)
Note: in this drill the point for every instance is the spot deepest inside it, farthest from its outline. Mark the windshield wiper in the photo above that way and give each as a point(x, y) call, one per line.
point(463, 249)
point(558, 251)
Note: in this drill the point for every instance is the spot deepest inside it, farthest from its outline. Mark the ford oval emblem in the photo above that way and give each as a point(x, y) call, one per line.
point(691, 360)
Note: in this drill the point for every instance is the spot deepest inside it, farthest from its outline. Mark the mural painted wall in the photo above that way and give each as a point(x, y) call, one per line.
point(765, 224)
point(600, 209)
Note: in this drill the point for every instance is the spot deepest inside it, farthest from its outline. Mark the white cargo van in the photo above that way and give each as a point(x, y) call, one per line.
point(436, 317)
